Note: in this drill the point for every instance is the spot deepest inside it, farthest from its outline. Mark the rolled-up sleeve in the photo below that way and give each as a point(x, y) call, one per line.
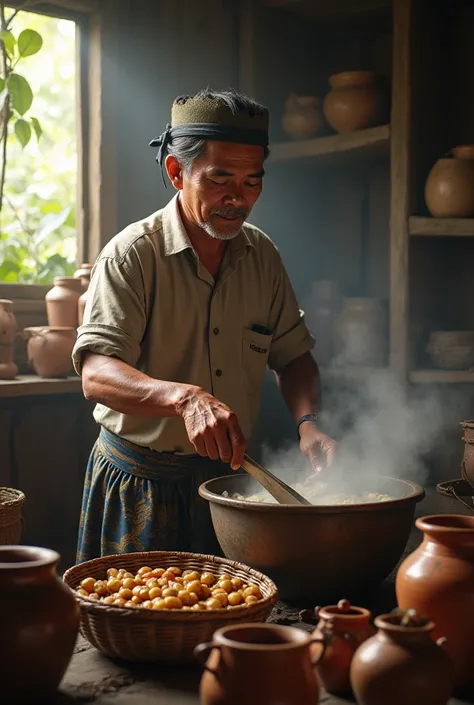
point(115, 314)
point(291, 337)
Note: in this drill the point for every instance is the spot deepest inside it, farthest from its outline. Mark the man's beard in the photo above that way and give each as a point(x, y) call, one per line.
point(229, 213)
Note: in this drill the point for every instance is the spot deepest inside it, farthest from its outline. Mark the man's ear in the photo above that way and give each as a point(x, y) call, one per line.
point(174, 171)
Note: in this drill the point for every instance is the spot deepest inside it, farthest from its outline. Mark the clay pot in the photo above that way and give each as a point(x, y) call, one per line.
point(11, 503)
point(84, 274)
point(451, 350)
point(360, 333)
point(354, 101)
point(40, 621)
point(50, 350)
point(437, 580)
point(468, 457)
point(321, 312)
point(342, 629)
point(256, 664)
point(62, 302)
point(302, 118)
point(8, 331)
point(449, 188)
point(82, 305)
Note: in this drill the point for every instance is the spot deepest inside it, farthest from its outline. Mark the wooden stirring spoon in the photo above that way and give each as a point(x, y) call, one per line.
point(282, 492)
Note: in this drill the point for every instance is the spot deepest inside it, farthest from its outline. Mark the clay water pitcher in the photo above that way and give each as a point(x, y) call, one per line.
point(437, 580)
point(258, 664)
point(401, 665)
point(81, 306)
point(449, 188)
point(50, 350)
point(39, 620)
point(62, 302)
point(8, 332)
point(354, 101)
point(360, 333)
point(302, 117)
point(84, 274)
point(321, 311)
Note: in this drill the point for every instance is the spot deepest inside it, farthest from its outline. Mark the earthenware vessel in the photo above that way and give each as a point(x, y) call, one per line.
point(81, 306)
point(401, 665)
point(84, 274)
point(39, 619)
point(8, 332)
point(360, 333)
point(449, 188)
point(354, 101)
point(302, 118)
point(321, 311)
point(50, 349)
point(437, 580)
point(62, 301)
point(256, 664)
point(11, 503)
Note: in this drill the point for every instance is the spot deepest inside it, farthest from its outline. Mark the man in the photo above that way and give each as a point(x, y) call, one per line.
point(185, 310)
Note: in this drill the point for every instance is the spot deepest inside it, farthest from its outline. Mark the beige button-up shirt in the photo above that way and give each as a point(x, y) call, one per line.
point(152, 304)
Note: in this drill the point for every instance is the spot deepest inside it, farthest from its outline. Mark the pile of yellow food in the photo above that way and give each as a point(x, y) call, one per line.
point(169, 589)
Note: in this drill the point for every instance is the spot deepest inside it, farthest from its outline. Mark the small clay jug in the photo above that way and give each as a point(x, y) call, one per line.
point(342, 628)
point(437, 580)
point(360, 333)
point(256, 664)
point(50, 349)
point(449, 188)
point(302, 118)
point(81, 304)
point(39, 619)
point(321, 312)
point(62, 302)
point(84, 274)
point(401, 665)
point(8, 332)
point(354, 101)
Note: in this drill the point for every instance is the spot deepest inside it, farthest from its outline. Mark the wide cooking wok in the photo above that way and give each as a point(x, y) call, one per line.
point(316, 554)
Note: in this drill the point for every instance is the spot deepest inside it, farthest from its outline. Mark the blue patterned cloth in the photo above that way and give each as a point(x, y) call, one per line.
point(136, 499)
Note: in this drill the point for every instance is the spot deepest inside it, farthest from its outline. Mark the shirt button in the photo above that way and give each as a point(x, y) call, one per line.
point(216, 331)
point(218, 373)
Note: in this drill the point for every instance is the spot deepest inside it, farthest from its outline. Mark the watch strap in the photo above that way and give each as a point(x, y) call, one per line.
point(307, 417)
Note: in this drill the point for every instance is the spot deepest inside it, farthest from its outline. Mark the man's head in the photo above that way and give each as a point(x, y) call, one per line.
point(218, 167)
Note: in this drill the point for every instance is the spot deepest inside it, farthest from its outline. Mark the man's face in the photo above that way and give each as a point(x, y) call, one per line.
point(222, 187)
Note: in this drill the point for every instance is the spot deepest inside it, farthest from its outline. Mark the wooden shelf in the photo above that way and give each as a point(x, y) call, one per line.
point(441, 227)
point(442, 376)
point(335, 148)
point(31, 385)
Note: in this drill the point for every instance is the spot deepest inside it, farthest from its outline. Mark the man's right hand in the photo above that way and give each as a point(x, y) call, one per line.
point(212, 427)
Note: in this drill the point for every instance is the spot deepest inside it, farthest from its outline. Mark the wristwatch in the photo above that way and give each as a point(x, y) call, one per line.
point(307, 417)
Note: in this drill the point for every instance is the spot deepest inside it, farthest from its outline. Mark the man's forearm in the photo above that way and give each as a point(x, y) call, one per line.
point(300, 385)
point(113, 383)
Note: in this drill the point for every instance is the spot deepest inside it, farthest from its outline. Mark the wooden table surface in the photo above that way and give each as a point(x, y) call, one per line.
point(93, 678)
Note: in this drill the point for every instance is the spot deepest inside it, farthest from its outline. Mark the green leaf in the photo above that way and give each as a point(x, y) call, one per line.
point(8, 41)
point(29, 42)
point(21, 93)
point(2, 84)
point(23, 131)
point(35, 123)
point(49, 223)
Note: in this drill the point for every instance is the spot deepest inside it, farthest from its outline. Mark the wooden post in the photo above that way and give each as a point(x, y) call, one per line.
point(248, 65)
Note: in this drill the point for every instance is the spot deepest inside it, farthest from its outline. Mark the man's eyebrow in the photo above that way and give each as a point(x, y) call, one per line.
point(223, 172)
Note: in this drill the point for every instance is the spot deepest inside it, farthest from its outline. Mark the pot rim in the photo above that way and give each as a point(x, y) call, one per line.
point(436, 522)
point(8, 302)
point(50, 328)
point(34, 557)
point(333, 611)
point(300, 637)
point(384, 622)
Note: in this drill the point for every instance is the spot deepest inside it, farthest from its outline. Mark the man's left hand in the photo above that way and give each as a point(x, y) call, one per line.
point(317, 446)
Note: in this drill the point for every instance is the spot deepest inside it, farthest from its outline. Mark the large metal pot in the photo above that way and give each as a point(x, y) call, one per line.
point(316, 554)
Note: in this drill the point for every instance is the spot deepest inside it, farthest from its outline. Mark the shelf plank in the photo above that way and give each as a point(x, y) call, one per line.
point(441, 227)
point(335, 148)
point(442, 376)
point(31, 385)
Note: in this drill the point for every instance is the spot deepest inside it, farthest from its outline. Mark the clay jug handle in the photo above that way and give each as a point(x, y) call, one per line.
point(442, 641)
point(202, 652)
point(323, 641)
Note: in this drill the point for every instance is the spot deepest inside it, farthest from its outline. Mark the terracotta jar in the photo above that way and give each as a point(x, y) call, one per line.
point(50, 350)
point(449, 188)
point(40, 621)
point(8, 331)
point(321, 312)
point(302, 118)
point(256, 664)
point(11, 503)
point(84, 274)
point(360, 333)
point(437, 580)
point(468, 457)
point(62, 302)
point(81, 304)
point(354, 101)
point(342, 628)
point(401, 665)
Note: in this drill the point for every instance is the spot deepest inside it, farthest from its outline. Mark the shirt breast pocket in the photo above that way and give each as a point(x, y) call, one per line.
point(255, 352)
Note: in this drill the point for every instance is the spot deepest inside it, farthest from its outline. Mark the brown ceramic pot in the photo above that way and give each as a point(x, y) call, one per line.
point(342, 628)
point(11, 503)
point(360, 333)
point(39, 620)
point(321, 312)
point(84, 274)
point(62, 302)
point(401, 666)
point(256, 664)
point(8, 331)
point(437, 580)
point(354, 101)
point(449, 188)
point(468, 457)
point(82, 306)
point(50, 350)
point(302, 118)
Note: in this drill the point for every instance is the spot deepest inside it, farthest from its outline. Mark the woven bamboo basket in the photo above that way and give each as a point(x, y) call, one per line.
point(11, 502)
point(167, 636)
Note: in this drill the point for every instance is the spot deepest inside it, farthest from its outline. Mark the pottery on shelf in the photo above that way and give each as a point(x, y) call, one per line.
point(451, 350)
point(50, 349)
point(256, 664)
point(321, 311)
point(401, 665)
point(449, 188)
point(84, 274)
point(437, 580)
point(11, 503)
point(302, 117)
point(354, 101)
point(360, 333)
point(40, 621)
point(468, 456)
point(81, 306)
point(62, 301)
point(8, 332)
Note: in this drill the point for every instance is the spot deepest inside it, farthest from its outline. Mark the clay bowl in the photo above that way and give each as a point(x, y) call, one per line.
point(314, 554)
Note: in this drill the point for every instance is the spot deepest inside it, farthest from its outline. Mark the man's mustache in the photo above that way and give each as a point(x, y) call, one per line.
point(230, 212)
